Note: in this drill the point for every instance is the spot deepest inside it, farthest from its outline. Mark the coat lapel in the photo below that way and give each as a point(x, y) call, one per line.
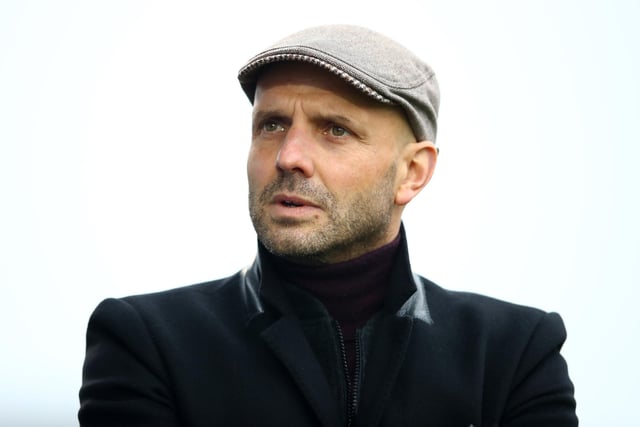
point(387, 354)
point(287, 341)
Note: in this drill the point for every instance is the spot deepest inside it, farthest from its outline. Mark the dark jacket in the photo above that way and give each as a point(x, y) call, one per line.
point(242, 352)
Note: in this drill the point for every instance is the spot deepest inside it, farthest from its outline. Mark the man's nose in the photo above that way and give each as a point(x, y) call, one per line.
point(296, 152)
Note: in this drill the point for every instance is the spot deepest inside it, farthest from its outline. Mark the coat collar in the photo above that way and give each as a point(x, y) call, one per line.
point(261, 285)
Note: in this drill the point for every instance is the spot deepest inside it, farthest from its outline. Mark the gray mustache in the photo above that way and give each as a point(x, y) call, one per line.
point(299, 186)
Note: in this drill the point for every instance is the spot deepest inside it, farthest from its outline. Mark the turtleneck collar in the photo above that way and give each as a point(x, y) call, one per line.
point(351, 291)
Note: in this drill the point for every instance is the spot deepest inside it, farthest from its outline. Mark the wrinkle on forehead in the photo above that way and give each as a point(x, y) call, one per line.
point(291, 99)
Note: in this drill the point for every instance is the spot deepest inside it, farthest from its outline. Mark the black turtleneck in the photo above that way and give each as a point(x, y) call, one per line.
point(351, 291)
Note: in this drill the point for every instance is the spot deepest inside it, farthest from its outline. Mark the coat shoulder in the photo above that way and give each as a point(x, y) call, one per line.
point(215, 302)
point(193, 297)
point(489, 315)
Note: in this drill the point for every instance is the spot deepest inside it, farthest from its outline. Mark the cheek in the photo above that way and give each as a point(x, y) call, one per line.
point(260, 166)
point(374, 179)
point(360, 172)
point(346, 181)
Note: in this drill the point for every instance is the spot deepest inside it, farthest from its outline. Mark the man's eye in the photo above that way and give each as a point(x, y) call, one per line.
point(272, 126)
point(335, 130)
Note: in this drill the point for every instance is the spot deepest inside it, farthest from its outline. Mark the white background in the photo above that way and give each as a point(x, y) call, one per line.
point(123, 137)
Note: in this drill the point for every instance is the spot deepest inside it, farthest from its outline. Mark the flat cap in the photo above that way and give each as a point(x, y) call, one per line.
point(369, 61)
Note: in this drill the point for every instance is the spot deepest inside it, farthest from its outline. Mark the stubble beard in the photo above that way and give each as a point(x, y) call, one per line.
point(353, 226)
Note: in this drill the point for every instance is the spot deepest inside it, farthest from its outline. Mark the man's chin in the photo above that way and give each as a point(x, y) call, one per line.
point(292, 242)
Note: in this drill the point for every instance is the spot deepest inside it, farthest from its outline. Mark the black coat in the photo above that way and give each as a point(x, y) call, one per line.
point(232, 352)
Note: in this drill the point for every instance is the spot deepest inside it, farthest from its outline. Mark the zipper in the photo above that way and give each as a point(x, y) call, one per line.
point(356, 383)
point(352, 386)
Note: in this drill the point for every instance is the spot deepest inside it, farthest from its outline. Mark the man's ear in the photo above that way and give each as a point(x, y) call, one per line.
point(419, 159)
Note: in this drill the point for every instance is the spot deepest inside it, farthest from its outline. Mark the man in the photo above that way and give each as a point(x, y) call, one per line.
point(329, 326)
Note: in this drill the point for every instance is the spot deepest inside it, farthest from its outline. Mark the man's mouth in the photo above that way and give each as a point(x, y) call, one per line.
point(290, 204)
point(292, 201)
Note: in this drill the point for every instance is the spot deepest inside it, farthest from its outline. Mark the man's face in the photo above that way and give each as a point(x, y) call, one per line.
point(323, 166)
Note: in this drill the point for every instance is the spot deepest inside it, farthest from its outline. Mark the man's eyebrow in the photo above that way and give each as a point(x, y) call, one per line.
point(260, 115)
point(337, 118)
